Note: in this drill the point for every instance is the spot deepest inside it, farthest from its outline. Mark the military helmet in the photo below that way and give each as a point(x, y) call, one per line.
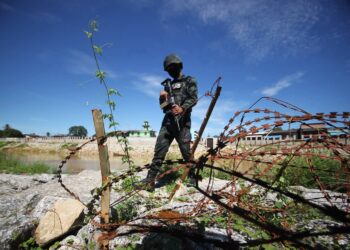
point(170, 59)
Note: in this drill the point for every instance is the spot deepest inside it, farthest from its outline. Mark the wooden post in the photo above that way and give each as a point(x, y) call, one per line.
point(200, 133)
point(105, 168)
point(104, 163)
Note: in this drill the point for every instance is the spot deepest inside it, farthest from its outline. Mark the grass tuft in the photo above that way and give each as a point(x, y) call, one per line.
point(11, 165)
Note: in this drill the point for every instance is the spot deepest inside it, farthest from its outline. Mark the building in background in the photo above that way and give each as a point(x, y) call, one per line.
point(146, 132)
point(305, 132)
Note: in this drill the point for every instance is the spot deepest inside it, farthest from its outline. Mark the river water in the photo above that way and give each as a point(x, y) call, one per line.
point(75, 164)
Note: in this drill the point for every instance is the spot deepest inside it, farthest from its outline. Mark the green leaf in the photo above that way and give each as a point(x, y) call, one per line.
point(125, 158)
point(93, 25)
point(111, 104)
point(279, 204)
point(100, 75)
point(98, 50)
point(88, 34)
point(108, 116)
point(113, 92)
point(121, 140)
point(112, 124)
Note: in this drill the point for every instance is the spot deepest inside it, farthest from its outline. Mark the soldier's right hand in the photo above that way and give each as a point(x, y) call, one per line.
point(164, 95)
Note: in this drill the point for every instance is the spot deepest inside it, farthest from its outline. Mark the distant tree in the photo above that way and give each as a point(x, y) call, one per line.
point(48, 134)
point(10, 132)
point(78, 131)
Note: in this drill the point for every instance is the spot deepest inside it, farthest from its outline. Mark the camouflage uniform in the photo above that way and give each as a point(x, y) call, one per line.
point(185, 93)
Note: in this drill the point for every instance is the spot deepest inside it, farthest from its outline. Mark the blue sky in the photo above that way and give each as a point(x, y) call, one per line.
point(297, 51)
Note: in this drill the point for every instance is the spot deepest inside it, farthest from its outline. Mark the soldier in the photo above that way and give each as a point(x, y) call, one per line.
point(177, 99)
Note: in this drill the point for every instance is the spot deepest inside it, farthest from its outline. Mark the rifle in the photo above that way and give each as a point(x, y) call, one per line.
point(170, 102)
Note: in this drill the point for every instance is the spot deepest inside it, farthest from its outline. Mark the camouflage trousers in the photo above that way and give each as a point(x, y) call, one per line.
point(166, 136)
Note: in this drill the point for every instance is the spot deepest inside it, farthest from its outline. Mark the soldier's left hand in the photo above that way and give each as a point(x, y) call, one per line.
point(177, 110)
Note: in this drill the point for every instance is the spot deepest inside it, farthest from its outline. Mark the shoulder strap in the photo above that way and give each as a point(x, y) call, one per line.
point(188, 79)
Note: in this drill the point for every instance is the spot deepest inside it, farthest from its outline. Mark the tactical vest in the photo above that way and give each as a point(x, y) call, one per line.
point(181, 93)
point(180, 90)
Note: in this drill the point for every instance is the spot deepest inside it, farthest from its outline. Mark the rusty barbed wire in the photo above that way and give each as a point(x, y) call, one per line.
point(254, 172)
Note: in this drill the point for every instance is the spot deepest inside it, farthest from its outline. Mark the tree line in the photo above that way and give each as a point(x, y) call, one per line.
point(8, 131)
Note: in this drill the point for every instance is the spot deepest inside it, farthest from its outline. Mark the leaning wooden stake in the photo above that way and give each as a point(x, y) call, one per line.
point(105, 168)
point(200, 133)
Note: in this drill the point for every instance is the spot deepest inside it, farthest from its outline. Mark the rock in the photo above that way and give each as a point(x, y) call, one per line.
point(44, 205)
point(340, 241)
point(15, 224)
point(221, 235)
point(26, 198)
point(14, 183)
point(43, 178)
point(70, 243)
point(316, 196)
point(85, 234)
point(64, 217)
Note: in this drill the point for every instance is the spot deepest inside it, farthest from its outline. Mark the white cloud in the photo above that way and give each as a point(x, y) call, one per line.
point(81, 63)
point(259, 27)
point(223, 111)
point(281, 84)
point(149, 84)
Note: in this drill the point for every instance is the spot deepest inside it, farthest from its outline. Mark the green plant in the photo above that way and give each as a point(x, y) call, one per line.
point(125, 210)
point(9, 164)
point(69, 145)
point(152, 202)
point(129, 247)
point(170, 187)
point(15, 235)
point(110, 93)
point(55, 246)
point(183, 199)
point(91, 245)
point(206, 220)
point(128, 183)
point(30, 244)
point(4, 143)
point(70, 242)
point(303, 171)
point(215, 173)
point(191, 190)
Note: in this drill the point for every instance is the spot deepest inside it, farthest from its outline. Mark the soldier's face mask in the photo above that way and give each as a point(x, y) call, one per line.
point(174, 70)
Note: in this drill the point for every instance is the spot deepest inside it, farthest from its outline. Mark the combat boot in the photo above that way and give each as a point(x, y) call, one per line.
point(191, 178)
point(149, 182)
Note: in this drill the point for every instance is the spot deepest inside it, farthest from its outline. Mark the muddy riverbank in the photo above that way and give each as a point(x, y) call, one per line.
point(53, 151)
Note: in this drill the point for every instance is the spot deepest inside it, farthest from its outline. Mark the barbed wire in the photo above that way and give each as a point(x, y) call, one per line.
point(243, 194)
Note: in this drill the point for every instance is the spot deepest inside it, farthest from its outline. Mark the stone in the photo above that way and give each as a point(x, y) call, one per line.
point(44, 205)
point(338, 200)
point(43, 178)
point(64, 217)
point(70, 243)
